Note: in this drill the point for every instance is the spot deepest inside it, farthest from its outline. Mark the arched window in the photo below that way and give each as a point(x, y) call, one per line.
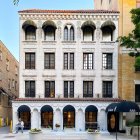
point(30, 33)
point(108, 28)
point(71, 33)
point(66, 33)
point(49, 33)
point(88, 34)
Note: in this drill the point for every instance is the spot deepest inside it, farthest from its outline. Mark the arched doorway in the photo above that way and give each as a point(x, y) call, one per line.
point(47, 116)
point(25, 115)
point(91, 117)
point(69, 116)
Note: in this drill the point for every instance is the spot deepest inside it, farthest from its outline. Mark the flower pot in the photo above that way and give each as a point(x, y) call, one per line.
point(128, 131)
point(35, 135)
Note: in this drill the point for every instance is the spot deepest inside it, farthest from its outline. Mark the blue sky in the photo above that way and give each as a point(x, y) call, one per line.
point(9, 20)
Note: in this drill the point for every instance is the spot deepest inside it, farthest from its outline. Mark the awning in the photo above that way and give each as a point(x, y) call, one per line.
point(24, 108)
point(110, 24)
point(111, 107)
point(127, 106)
point(68, 108)
point(124, 106)
point(46, 108)
point(28, 23)
point(49, 23)
point(89, 23)
point(91, 108)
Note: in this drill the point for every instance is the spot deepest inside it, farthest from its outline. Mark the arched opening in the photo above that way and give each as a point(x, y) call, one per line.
point(49, 28)
point(88, 29)
point(91, 117)
point(66, 33)
point(47, 116)
point(69, 116)
point(108, 28)
point(25, 115)
point(30, 30)
point(72, 33)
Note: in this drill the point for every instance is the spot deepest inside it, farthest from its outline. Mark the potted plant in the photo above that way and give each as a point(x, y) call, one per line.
point(128, 128)
point(35, 134)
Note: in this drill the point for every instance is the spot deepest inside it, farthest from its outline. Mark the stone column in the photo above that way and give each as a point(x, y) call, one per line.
point(39, 119)
point(15, 119)
point(32, 121)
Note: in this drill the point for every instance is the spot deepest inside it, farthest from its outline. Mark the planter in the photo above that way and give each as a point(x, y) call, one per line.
point(35, 135)
point(128, 131)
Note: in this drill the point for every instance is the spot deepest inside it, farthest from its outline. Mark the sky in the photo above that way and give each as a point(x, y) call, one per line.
point(9, 19)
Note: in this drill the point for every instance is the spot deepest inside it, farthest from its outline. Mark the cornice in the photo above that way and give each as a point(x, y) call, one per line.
point(67, 16)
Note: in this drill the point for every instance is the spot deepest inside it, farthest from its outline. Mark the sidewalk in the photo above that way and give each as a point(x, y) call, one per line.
point(4, 130)
point(4, 135)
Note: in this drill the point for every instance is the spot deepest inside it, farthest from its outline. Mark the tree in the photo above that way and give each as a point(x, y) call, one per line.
point(132, 41)
point(15, 2)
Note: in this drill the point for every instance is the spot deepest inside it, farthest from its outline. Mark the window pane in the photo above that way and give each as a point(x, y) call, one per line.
point(71, 60)
point(30, 33)
point(29, 88)
point(71, 89)
point(88, 61)
point(29, 60)
point(49, 61)
point(87, 89)
point(65, 60)
point(49, 33)
point(71, 33)
point(107, 88)
point(107, 60)
point(65, 89)
point(66, 33)
point(50, 89)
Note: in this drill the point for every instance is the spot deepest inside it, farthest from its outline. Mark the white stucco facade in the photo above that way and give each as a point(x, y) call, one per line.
point(99, 45)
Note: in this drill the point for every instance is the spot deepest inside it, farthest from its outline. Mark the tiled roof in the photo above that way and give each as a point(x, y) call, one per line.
point(66, 11)
point(70, 99)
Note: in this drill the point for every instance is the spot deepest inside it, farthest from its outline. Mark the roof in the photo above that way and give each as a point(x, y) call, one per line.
point(67, 11)
point(70, 99)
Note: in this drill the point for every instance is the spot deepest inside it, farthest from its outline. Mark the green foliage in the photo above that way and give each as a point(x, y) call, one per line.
point(15, 2)
point(137, 62)
point(132, 41)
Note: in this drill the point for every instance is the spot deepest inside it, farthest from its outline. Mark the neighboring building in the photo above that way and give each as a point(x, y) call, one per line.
point(128, 77)
point(8, 82)
point(68, 68)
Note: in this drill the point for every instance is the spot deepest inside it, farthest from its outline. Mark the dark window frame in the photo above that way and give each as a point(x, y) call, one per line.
point(49, 60)
point(49, 88)
point(68, 61)
point(88, 64)
point(30, 33)
point(30, 60)
point(137, 92)
point(87, 88)
point(68, 89)
point(107, 89)
point(107, 61)
point(30, 88)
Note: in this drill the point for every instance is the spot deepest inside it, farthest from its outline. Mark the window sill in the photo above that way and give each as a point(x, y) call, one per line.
point(69, 41)
point(30, 41)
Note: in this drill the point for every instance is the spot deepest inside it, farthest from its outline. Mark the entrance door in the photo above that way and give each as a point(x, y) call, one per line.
point(113, 121)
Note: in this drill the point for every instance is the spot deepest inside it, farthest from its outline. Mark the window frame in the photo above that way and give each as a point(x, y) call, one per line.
point(88, 64)
point(50, 63)
point(32, 88)
point(49, 88)
point(68, 89)
point(30, 60)
point(87, 90)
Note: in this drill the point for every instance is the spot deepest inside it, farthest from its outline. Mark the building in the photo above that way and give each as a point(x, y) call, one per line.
point(8, 83)
point(68, 69)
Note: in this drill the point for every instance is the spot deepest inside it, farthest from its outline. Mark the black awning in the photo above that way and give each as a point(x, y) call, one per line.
point(24, 108)
point(91, 108)
point(46, 108)
point(111, 107)
point(124, 106)
point(127, 106)
point(68, 108)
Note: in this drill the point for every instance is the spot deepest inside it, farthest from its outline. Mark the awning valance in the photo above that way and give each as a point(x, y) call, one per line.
point(28, 23)
point(24, 108)
point(124, 106)
point(91, 108)
point(68, 108)
point(46, 108)
point(49, 23)
point(109, 23)
point(89, 23)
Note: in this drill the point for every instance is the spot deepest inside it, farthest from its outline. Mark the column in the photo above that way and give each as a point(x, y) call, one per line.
point(32, 121)
point(39, 119)
point(15, 120)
